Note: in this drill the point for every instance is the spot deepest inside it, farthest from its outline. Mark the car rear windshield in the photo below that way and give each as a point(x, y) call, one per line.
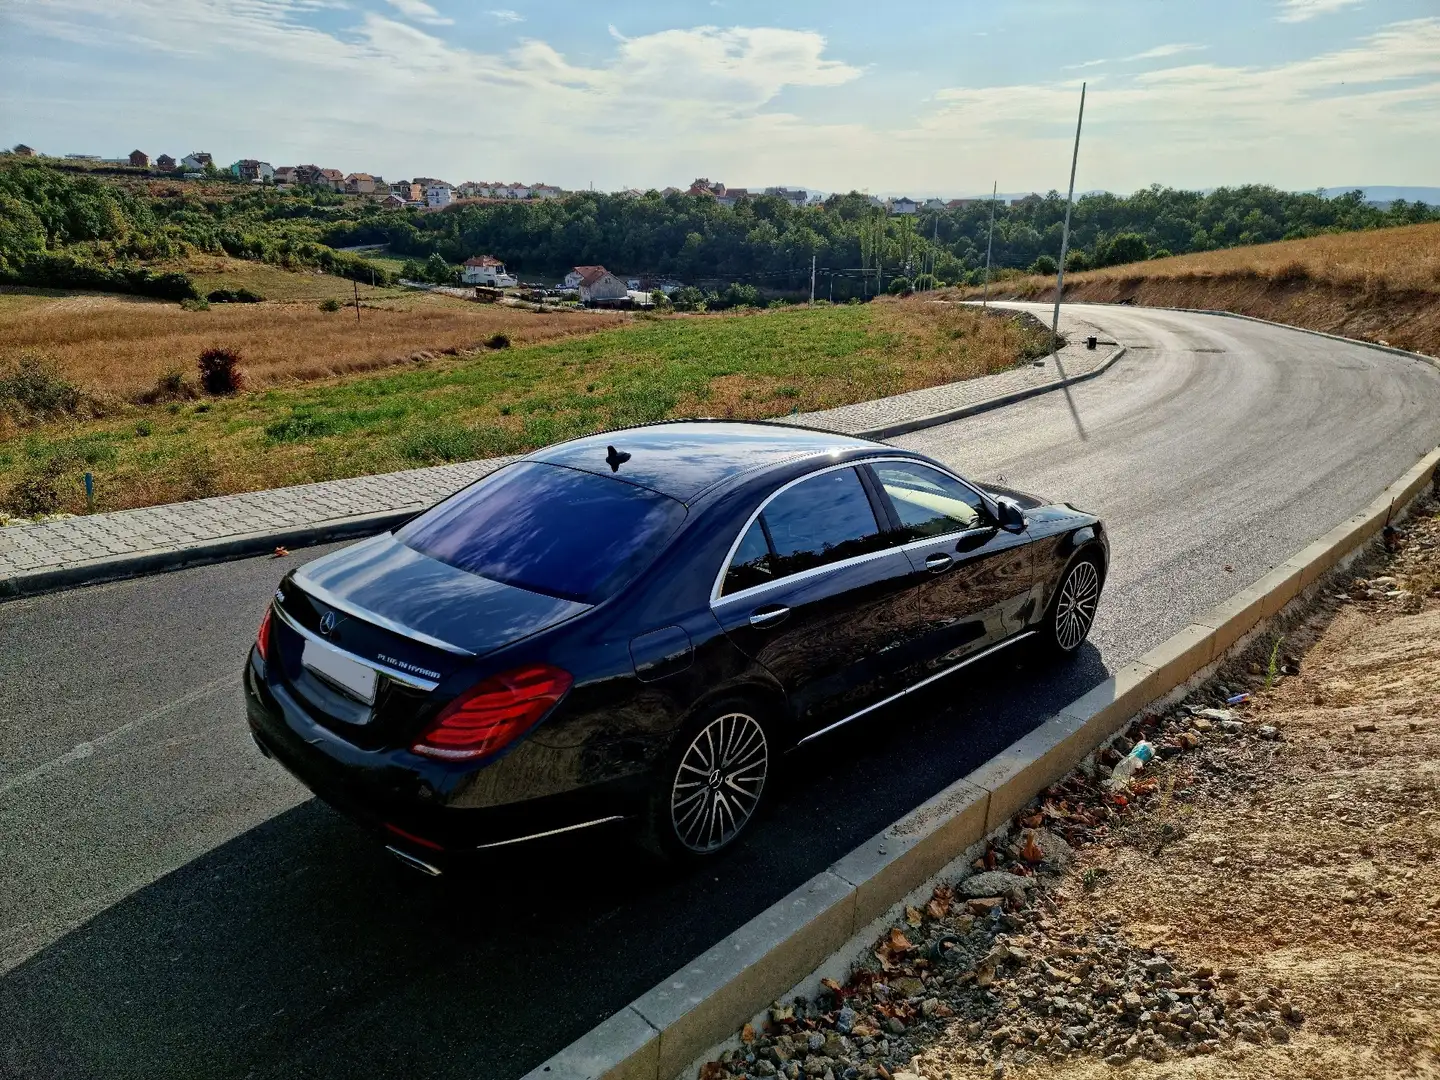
point(548, 529)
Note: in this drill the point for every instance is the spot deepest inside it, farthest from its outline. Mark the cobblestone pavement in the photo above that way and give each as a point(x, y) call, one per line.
point(57, 544)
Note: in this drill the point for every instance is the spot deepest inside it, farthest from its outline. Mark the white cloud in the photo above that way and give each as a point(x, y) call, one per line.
point(420, 11)
point(505, 15)
point(1301, 10)
point(1160, 51)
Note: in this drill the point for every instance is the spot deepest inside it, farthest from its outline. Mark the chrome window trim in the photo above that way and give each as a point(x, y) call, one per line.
point(802, 575)
point(716, 597)
point(394, 627)
point(923, 682)
point(390, 673)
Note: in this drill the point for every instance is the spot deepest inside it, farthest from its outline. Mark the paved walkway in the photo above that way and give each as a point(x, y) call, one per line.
point(59, 544)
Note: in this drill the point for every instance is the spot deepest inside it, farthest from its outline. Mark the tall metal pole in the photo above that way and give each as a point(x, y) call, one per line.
point(990, 243)
point(812, 279)
point(1065, 235)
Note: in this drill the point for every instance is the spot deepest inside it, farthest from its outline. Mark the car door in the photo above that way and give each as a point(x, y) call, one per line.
point(817, 591)
point(970, 579)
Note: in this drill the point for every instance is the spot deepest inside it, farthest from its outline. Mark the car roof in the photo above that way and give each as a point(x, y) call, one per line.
point(684, 459)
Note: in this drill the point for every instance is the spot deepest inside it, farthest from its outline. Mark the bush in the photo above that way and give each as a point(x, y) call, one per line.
point(735, 295)
point(170, 386)
point(925, 283)
point(498, 341)
point(37, 491)
point(1044, 265)
point(1076, 261)
point(241, 295)
point(195, 305)
point(1292, 273)
point(900, 286)
point(220, 371)
point(330, 305)
point(66, 271)
point(33, 389)
point(688, 299)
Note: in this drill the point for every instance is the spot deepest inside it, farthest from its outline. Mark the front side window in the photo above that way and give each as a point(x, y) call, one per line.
point(819, 521)
point(549, 529)
point(928, 502)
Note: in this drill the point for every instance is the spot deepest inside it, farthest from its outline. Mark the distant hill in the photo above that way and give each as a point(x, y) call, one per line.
point(1385, 195)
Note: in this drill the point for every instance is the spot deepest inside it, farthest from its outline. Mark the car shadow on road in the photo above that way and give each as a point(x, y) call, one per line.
point(299, 949)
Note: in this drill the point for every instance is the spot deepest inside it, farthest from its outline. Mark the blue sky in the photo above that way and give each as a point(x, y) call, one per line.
point(922, 98)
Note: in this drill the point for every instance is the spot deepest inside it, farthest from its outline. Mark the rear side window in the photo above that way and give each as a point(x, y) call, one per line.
point(927, 502)
point(819, 521)
point(751, 565)
point(549, 529)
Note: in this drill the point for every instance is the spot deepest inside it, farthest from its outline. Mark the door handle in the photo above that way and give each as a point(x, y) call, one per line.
point(937, 562)
point(768, 616)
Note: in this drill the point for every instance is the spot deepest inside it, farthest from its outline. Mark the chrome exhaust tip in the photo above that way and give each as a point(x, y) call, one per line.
point(414, 862)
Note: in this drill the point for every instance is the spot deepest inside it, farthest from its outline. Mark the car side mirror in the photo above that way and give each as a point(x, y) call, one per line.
point(1009, 516)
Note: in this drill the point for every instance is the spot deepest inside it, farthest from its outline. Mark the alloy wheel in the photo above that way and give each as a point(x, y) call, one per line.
point(718, 783)
point(1075, 610)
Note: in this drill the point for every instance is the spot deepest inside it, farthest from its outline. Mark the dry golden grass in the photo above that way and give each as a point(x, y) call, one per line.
point(120, 345)
point(1379, 285)
point(1405, 258)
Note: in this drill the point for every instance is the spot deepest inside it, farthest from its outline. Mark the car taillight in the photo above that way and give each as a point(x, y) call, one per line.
point(494, 714)
point(262, 636)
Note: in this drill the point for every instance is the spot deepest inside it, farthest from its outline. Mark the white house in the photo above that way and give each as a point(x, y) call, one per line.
point(579, 274)
point(903, 206)
point(486, 270)
point(935, 204)
point(545, 191)
point(195, 162)
point(438, 195)
point(597, 283)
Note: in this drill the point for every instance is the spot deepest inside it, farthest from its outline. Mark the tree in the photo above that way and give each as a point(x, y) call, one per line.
point(1076, 260)
point(1043, 264)
point(1126, 248)
point(439, 271)
point(900, 286)
point(925, 282)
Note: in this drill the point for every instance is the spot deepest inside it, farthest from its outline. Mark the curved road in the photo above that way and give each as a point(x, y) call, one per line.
point(173, 905)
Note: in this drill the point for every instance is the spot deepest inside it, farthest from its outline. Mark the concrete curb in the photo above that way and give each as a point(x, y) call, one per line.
point(676, 1022)
point(159, 560)
point(1431, 360)
point(903, 427)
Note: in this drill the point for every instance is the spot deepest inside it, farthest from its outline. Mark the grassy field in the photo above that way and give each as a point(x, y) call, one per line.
point(1378, 285)
point(120, 345)
point(500, 401)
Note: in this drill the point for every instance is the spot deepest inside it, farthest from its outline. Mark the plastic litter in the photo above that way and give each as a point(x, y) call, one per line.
point(1129, 765)
point(1237, 699)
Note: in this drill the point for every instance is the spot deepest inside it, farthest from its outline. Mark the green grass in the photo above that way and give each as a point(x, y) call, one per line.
point(508, 400)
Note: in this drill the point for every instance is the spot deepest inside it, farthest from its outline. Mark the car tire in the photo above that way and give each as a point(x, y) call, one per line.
point(713, 782)
point(1072, 609)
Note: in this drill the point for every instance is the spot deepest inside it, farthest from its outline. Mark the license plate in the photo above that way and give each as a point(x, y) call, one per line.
point(355, 678)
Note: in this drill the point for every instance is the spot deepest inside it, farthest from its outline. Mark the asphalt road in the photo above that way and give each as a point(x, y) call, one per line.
point(172, 904)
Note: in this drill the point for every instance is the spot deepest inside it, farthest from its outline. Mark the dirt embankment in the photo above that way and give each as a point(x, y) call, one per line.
point(1381, 286)
point(1261, 903)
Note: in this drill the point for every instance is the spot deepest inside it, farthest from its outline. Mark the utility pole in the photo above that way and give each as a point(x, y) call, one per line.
point(812, 280)
point(1065, 234)
point(356, 285)
point(990, 243)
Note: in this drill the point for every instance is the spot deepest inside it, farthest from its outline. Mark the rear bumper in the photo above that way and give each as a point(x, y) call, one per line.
point(403, 798)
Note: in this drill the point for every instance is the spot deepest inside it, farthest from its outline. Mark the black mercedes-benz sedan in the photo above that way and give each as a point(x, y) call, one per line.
point(635, 625)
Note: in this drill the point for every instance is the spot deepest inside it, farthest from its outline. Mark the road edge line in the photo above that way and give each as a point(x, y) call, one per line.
point(946, 416)
point(706, 1001)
